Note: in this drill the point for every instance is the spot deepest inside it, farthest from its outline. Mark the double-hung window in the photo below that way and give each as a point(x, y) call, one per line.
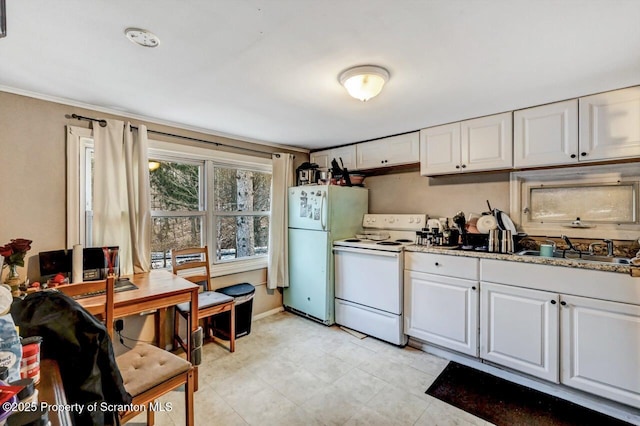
point(213, 198)
point(240, 212)
point(198, 197)
point(178, 212)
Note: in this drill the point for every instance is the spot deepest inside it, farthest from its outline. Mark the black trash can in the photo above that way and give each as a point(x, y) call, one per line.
point(243, 294)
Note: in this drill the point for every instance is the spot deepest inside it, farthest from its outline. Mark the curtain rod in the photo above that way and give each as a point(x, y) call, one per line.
point(103, 123)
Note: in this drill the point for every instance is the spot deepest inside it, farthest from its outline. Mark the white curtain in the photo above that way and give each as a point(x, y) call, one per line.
point(121, 208)
point(281, 180)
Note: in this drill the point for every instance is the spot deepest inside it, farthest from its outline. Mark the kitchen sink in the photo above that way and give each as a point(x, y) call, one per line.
point(577, 256)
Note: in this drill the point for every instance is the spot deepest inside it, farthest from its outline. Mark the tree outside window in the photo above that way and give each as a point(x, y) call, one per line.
point(241, 213)
point(238, 211)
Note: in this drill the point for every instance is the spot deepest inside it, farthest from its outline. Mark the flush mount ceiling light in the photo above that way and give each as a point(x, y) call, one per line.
point(364, 82)
point(142, 37)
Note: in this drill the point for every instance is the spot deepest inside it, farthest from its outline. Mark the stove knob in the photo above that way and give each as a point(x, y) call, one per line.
point(410, 219)
point(418, 220)
point(391, 220)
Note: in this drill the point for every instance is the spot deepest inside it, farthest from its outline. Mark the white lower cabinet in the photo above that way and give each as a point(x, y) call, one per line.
point(600, 348)
point(545, 321)
point(441, 300)
point(442, 310)
point(519, 329)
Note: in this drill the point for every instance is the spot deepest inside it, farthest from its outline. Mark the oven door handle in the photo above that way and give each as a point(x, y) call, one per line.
point(365, 251)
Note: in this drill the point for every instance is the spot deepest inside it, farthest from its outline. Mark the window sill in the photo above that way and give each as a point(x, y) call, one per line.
point(228, 268)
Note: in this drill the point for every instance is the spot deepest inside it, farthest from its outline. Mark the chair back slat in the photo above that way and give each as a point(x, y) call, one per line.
point(197, 270)
point(106, 310)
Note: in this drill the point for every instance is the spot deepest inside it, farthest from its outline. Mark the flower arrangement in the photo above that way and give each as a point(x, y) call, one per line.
point(14, 251)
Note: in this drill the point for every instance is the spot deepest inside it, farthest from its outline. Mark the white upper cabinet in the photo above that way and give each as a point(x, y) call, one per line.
point(484, 143)
point(487, 143)
point(321, 158)
point(391, 151)
point(346, 153)
point(546, 135)
point(610, 125)
point(440, 149)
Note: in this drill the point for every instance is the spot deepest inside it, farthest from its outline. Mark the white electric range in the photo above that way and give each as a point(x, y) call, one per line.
point(369, 271)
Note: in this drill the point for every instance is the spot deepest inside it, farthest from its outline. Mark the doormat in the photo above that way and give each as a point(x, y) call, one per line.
point(506, 404)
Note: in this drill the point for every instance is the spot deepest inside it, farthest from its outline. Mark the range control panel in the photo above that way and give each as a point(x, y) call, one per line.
point(395, 221)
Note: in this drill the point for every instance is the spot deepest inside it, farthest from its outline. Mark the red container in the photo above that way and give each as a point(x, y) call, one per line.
point(30, 364)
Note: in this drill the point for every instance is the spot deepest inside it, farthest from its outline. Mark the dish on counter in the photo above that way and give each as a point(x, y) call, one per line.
point(508, 223)
point(486, 223)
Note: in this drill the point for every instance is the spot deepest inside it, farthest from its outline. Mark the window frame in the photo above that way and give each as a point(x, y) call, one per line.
point(214, 158)
point(216, 214)
point(202, 202)
point(522, 182)
point(77, 175)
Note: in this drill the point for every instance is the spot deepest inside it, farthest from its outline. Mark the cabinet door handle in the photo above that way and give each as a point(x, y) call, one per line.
point(584, 154)
point(464, 166)
point(457, 166)
point(473, 288)
point(437, 264)
point(573, 156)
point(553, 302)
point(563, 303)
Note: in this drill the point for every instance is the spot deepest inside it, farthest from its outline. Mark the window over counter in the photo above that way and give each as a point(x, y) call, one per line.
point(588, 202)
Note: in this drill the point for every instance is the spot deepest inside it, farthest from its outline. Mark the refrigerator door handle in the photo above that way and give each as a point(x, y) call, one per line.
point(323, 218)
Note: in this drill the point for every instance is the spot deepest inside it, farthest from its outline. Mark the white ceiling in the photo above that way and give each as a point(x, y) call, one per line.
point(267, 69)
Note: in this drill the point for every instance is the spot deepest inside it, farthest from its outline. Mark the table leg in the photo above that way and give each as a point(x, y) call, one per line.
point(160, 325)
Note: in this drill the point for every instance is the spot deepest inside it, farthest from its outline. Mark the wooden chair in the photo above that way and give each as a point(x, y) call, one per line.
point(195, 268)
point(148, 372)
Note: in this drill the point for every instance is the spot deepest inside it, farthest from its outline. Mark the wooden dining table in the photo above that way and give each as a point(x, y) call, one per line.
point(157, 291)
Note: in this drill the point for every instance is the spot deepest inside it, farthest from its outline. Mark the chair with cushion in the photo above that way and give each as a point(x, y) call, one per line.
point(193, 265)
point(148, 372)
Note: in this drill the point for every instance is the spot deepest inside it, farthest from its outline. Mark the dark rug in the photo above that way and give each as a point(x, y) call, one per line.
point(506, 404)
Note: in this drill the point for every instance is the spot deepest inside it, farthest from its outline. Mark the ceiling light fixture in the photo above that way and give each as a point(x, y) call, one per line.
point(364, 82)
point(153, 165)
point(142, 37)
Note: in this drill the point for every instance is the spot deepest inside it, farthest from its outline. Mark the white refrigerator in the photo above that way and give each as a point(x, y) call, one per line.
point(318, 215)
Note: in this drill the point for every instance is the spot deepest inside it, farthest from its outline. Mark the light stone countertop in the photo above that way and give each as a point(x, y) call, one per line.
point(554, 261)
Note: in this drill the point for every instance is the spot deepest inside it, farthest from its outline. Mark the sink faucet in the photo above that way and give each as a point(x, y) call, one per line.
point(570, 245)
point(608, 243)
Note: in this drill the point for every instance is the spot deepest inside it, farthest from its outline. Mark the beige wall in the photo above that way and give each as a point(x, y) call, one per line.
point(33, 179)
point(441, 196)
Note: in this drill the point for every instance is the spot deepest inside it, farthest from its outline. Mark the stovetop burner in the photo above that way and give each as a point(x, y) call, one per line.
point(352, 240)
point(389, 243)
point(404, 240)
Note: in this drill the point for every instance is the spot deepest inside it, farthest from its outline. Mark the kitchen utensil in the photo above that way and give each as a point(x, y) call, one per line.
point(498, 215)
point(345, 174)
point(486, 223)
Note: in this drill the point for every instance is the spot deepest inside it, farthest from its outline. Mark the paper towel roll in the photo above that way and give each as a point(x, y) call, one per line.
point(76, 267)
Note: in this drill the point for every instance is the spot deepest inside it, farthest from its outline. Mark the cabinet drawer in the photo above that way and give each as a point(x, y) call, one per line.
point(442, 264)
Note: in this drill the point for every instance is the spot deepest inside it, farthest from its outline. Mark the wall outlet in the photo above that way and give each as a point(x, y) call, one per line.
point(119, 325)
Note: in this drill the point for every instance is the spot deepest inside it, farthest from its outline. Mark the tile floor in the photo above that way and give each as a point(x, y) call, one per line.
point(292, 371)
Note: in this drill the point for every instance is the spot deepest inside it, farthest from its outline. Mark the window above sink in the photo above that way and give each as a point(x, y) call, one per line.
point(584, 202)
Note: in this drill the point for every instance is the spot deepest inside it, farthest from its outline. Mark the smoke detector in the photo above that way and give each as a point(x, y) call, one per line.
point(142, 37)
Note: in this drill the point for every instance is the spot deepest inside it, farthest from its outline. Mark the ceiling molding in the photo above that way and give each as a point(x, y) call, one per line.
point(70, 102)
